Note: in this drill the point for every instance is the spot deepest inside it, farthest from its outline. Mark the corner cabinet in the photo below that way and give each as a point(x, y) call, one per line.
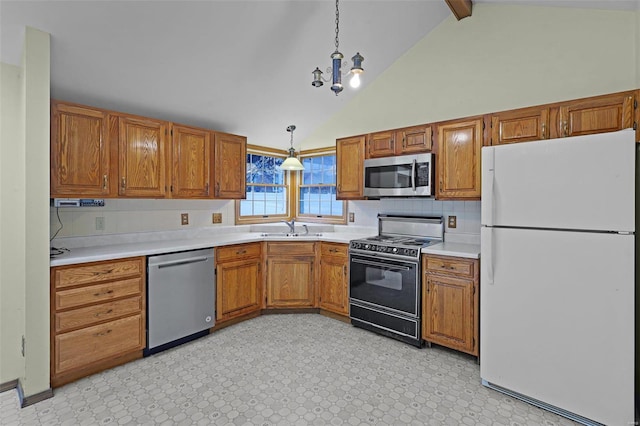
point(334, 278)
point(350, 168)
point(80, 152)
point(450, 308)
point(97, 317)
point(191, 158)
point(142, 151)
point(291, 275)
point(230, 168)
point(238, 280)
point(458, 157)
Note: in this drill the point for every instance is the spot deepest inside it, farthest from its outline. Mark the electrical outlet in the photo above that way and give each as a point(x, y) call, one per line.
point(352, 217)
point(217, 218)
point(100, 223)
point(452, 221)
point(184, 218)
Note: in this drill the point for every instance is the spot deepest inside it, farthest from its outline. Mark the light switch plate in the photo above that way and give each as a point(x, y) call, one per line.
point(184, 218)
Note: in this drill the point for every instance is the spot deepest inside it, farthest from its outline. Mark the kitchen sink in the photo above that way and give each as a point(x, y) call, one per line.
point(290, 234)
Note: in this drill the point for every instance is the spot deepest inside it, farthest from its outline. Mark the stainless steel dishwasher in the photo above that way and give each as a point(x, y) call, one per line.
point(180, 298)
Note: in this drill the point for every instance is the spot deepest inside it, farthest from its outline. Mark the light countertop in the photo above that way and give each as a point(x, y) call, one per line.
point(471, 251)
point(147, 248)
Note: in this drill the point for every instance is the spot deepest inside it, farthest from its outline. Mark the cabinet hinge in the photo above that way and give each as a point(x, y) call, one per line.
point(171, 188)
point(635, 125)
point(483, 125)
point(635, 104)
point(171, 132)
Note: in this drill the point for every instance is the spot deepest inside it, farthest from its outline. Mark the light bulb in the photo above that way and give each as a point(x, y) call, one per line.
point(355, 81)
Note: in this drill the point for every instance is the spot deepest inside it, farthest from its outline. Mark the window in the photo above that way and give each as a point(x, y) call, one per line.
point(317, 189)
point(267, 189)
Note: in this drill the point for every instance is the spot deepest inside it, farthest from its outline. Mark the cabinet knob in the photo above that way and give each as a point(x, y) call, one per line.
point(217, 189)
point(544, 130)
point(206, 188)
point(123, 182)
point(104, 182)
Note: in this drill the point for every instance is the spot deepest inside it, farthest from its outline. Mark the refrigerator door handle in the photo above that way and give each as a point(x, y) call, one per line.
point(489, 256)
point(488, 178)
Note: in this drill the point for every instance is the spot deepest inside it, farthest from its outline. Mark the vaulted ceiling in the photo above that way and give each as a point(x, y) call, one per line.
point(238, 66)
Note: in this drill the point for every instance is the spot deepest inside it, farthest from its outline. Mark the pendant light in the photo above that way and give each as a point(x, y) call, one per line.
point(291, 163)
point(336, 69)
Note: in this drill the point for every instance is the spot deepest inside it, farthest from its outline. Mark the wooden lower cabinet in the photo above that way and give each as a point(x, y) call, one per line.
point(97, 317)
point(291, 275)
point(238, 280)
point(450, 309)
point(334, 278)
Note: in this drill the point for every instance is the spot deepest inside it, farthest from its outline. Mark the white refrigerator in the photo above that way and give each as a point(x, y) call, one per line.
point(557, 274)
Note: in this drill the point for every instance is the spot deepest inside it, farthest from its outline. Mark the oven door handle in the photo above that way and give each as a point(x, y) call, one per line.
point(383, 265)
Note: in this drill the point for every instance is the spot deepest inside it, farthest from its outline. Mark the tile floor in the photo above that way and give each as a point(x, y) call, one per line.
point(302, 369)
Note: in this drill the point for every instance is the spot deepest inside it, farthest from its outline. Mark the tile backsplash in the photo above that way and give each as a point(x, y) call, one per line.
point(121, 216)
point(467, 212)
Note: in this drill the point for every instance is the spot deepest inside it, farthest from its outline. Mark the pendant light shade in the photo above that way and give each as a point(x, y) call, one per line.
point(291, 163)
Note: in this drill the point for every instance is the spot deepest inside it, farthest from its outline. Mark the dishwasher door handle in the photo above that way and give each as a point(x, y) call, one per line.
point(180, 262)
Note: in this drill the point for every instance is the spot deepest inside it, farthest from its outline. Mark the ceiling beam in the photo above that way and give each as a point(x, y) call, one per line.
point(460, 8)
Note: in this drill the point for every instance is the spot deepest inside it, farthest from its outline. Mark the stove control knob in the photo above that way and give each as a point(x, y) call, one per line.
point(395, 250)
point(382, 249)
point(413, 252)
point(366, 246)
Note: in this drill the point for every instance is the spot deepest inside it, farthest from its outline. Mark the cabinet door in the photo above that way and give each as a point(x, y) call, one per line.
point(598, 114)
point(521, 125)
point(448, 315)
point(350, 168)
point(413, 140)
point(238, 287)
point(80, 154)
point(458, 153)
point(142, 157)
point(290, 282)
point(334, 291)
point(381, 144)
point(230, 166)
point(191, 155)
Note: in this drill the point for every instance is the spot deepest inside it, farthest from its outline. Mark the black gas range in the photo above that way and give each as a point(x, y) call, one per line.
point(385, 276)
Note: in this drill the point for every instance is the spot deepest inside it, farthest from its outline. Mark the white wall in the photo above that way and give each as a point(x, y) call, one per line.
point(502, 57)
point(24, 218)
point(12, 223)
point(139, 215)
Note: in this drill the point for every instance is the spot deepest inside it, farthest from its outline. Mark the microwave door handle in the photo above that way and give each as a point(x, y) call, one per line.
point(413, 175)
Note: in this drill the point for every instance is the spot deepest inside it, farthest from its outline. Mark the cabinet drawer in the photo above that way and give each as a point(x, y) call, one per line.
point(450, 265)
point(77, 275)
point(291, 249)
point(85, 346)
point(97, 313)
point(97, 293)
point(239, 251)
point(331, 249)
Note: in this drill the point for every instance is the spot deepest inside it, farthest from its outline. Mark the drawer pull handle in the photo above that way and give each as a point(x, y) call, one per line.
point(241, 252)
point(104, 333)
point(333, 250)
point(103, 293)
point(103, 313)
point(108, 271)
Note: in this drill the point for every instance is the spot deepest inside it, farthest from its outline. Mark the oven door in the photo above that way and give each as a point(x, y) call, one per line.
point(391, 284)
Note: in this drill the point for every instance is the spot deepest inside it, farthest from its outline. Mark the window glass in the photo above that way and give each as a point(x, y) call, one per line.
point(317, 189)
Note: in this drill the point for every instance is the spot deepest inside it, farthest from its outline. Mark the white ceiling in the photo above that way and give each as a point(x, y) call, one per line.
point(238, 66)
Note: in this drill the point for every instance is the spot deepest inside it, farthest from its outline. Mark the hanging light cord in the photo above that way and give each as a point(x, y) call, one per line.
point(337, 24)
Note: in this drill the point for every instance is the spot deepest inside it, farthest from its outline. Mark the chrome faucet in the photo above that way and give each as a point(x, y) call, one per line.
point(291, 225)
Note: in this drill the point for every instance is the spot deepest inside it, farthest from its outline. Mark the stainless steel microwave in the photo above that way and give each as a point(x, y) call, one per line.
point(401, 176)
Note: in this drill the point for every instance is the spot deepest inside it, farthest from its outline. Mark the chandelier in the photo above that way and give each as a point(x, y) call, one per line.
point(336, 69)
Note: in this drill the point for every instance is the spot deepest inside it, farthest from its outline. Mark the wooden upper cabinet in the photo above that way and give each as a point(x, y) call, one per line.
point(412, 140)
point(142, 152)
point(230, 166)
point(520, 125)
point(191, 157)
point(80, 152)
point(598, 114)
point(350, 168)
point(381, 144)
point(458, 154)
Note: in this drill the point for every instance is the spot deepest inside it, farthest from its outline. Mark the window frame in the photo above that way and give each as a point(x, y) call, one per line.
point(246, 220)
point(334, 219)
